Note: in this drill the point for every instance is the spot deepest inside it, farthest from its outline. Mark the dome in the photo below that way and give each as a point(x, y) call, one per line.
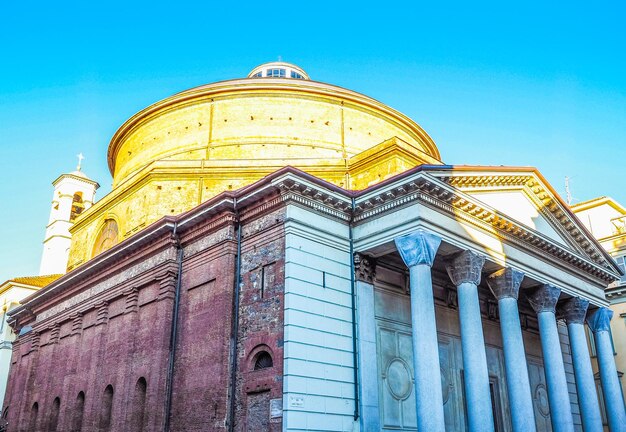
point(265, 123)
point(278, 70)
point(185, 149)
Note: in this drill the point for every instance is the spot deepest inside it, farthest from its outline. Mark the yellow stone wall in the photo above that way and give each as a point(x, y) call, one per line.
point(184, 150)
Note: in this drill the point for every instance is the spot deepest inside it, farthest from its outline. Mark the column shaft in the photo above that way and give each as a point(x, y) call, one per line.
point(368, 368)
point(558, 395)
point(518, 385)
point(428, 394)
point(585, 386)
point(476, 375)
point(613, 399)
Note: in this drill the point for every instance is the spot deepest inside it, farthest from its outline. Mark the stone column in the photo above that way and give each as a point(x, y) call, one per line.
point(465, 269)
point(574, 311)
point(418, 252)
point(543, 301)
point(364, 269)
point(599, 322)
point(505, 285)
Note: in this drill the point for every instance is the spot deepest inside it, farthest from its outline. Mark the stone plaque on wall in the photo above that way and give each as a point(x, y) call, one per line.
point(276, 409)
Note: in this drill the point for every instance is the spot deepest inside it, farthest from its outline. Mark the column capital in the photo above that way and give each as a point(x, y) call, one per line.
point(574, 310)
point(505, 283)
point(364, 268)
point(600, 319)
point(419, 247)
point(544, 298)
point(465, 266)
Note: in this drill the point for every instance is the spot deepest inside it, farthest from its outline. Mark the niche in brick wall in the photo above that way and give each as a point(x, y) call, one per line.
point(263, 389)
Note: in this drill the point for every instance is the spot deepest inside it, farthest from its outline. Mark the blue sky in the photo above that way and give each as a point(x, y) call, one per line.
point(493, 83)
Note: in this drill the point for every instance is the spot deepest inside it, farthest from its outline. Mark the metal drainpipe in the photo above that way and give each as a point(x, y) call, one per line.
point(353, 297)
point(235, 328)
point(173, 333)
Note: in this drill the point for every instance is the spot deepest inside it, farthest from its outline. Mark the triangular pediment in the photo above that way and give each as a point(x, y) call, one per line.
point(523, 195)
point(517, 205)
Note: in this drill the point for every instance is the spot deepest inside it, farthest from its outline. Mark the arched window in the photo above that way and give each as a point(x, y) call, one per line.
point(106, 409)
point(34, 413)
point(263, 361)
point(139, 405)
point(54, 415)
point(106, 238)
point(77, 205)
point(79, 409)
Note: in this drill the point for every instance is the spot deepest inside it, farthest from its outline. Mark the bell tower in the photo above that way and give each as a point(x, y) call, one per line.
point(73, 194)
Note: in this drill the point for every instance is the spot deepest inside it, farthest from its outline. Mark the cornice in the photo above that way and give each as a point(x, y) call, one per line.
point(441, 196)
point(78, 178)
point(308, 195)
point(546, 202)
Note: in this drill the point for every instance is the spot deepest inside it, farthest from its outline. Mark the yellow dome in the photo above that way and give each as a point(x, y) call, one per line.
point(261, 122)
point(183, 150)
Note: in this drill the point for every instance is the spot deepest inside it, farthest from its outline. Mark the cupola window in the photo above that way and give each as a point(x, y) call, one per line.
point(276, 73)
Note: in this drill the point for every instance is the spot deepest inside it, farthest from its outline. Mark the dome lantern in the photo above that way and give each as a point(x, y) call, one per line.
point(278, 70)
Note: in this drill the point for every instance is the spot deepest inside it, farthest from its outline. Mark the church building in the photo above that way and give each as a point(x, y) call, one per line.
point(282, 254)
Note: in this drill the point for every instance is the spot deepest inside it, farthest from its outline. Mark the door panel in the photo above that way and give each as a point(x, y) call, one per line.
point(396, 375)
point(539, 392)
point(396, 383)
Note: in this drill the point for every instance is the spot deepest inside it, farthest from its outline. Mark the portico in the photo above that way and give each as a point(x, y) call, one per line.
point(492, 312)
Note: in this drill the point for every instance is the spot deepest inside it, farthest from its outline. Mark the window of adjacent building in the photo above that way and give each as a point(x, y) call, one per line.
point(621, 263)
point(79, 410)
point(258, 75)
point(107, 237)
point(139, 405)
point(54, 415)
point(278, 73)
point(106, 408)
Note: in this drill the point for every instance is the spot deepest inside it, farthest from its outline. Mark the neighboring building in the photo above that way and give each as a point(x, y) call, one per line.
point(283, 254)
point(606, 220)
point(73, 193)
point(12, 292)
